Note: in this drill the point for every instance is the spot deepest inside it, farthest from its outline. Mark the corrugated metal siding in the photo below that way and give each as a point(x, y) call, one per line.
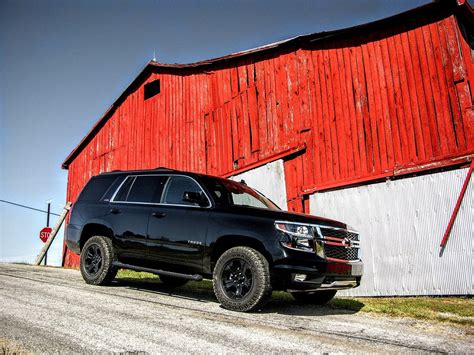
point(402, 223)
point(269, 180)
point(365, 105)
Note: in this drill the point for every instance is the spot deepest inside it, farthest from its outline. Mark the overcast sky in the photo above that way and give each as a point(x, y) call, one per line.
point(63, 63)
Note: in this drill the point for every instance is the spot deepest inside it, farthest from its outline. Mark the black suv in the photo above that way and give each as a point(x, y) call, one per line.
point(185, 226)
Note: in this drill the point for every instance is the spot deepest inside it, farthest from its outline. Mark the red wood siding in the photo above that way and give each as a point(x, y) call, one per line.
point(365, 106)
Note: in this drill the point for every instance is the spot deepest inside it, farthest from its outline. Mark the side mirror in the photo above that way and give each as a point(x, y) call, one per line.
point(195, 197)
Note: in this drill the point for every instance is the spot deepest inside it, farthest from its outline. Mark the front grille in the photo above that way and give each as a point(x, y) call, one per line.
point(339, 236)
point(332, 251)
point(339, 233)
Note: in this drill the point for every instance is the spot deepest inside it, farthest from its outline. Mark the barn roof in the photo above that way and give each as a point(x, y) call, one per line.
point(448, 6)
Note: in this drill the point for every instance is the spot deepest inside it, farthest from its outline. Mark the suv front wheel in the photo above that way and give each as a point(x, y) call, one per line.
point(241, 279)
point(97, 257)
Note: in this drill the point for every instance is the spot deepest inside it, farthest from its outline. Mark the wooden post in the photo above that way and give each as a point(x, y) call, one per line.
point(55, 231)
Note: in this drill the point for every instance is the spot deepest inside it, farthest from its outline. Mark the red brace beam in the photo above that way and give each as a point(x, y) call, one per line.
point(456, 208)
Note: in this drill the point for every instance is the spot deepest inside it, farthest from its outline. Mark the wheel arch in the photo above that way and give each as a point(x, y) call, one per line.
point(226, 242)
point(93, 229)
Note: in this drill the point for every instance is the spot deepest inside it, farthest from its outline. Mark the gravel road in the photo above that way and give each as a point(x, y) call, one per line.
point(52, 309)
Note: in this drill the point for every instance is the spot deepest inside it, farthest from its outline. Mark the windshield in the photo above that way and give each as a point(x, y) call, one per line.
point(230, 193)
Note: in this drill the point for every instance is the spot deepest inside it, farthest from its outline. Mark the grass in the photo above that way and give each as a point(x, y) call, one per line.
point(455, 310)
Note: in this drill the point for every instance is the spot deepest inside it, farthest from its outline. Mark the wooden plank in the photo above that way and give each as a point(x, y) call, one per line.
point(350, 110)
point(270, 106)
point(244, 111)
point(234, 81)
point(53, 234)
point(330, 119)
point(413, 119)
point(360, 102)
point(376, 101)
point(453, 97)
point(327, 163)
point(254, 122)
point(294, 105)
point(316, 115)
point(345, 117)
point(395, 97)
point(373, 154)
point(430, 89)
point(305, 96)
point(388, 131)
point(262, 113)
point(420, 95)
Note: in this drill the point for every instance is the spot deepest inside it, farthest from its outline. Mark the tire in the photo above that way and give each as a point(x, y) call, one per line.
point(173, 281)
point(317, 297)
point(97, 257)
point(241, 280)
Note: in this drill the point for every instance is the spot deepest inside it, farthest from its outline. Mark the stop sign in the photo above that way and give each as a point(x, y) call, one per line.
point(45, 233)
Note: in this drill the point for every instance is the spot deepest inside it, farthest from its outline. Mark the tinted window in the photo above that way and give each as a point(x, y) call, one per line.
point(176, 187)
point(124, 190)
point(96, 188)
point(111, 190)
point(146, 189)
point(230, 193)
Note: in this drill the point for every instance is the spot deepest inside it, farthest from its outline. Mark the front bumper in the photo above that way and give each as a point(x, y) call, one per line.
point(309, 272)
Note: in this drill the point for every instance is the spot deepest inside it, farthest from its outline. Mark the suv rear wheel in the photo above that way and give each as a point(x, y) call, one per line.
point(241, 279)
point(317, 297)
point(97, 257)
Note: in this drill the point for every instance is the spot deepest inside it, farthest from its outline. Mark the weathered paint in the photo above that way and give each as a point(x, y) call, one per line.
point(269, 180)
point(401, 223)
point(368, 102)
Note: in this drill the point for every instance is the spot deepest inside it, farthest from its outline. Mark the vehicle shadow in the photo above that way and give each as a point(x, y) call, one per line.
point(280, 303)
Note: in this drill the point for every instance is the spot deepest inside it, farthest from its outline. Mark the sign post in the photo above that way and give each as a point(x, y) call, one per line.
point(47, 225)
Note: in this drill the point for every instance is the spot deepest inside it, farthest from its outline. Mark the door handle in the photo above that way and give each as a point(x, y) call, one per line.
point(115, 211)
point(158, 214)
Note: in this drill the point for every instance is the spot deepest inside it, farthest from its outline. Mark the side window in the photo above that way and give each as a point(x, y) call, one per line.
point(146, 189)
point(96, 188)
point(122, 194)
point(176, 187)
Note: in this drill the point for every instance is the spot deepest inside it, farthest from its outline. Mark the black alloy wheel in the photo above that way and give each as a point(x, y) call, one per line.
point(93, 261)
point(241, 279)
point(97, 257)
point(237, 278)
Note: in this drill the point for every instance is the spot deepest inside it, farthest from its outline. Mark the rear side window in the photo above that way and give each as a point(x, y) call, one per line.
point(145, 189)
point(96, 188)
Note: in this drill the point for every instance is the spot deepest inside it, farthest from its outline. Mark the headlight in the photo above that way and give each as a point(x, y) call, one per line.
point(299, 236)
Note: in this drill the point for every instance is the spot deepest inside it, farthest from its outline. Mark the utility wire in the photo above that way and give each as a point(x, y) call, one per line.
point(28, 207)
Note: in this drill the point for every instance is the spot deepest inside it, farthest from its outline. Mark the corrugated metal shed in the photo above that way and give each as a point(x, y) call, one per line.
point(401, 223)
point(387, 98)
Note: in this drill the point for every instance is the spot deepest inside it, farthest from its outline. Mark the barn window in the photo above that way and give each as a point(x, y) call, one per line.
point(152, 89)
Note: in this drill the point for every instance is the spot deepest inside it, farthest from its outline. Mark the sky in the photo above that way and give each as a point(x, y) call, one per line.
point(64, 62)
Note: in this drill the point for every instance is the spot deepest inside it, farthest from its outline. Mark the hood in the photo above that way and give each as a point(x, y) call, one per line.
point(285, 216)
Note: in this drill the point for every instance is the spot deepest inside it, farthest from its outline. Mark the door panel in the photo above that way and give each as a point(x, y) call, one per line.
point(177, 235)
point(129, 214)
point(177, 228)
point(129, 223)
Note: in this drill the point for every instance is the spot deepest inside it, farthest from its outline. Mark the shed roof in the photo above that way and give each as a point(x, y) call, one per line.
point(447, 6)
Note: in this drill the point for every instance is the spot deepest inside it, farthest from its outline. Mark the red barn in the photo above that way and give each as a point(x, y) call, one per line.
point(348, 107)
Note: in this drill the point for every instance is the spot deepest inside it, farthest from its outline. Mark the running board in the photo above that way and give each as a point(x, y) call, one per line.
point(178, 275)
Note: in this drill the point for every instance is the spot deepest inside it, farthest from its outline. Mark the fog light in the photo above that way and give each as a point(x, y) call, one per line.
point(300, 277)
